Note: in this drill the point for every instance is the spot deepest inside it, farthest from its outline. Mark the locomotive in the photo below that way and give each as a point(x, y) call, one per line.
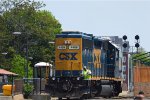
point(73, 50)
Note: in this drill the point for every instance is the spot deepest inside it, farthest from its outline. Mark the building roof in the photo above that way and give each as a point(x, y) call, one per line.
point(42, 64)
point(5, 72)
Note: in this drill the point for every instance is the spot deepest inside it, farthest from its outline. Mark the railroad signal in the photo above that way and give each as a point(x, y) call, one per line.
point(137, 37)
point(124, 37)
point(137, 45)
point(125, 45)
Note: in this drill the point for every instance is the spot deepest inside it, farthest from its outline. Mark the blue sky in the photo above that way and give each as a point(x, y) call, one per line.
point(104, 17)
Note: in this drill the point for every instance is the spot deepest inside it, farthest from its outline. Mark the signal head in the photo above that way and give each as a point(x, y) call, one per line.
point(137, 37)
point(124, 45)
point(137, 45)
point(124, 37)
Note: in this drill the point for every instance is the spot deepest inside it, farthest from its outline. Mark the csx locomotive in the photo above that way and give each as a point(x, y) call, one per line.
point(73, 50)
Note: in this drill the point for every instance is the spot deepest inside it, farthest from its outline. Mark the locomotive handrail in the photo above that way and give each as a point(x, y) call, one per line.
point(99, 63)
point(71, 68)
point(103, 69)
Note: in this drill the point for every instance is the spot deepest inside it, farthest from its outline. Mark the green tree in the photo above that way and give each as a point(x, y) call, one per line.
point(19, 66)
point(142, 57)
point(37, 26)
point(6, 5)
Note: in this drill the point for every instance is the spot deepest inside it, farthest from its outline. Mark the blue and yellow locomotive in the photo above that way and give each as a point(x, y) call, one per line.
point(73, 50)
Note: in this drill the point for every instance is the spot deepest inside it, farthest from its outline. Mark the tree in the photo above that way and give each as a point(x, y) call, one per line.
point(143, 57)
point(6, 5)
point(37, 26)
point(18, 64)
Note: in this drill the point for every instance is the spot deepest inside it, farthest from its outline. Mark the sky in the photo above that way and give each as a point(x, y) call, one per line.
point(104, 17)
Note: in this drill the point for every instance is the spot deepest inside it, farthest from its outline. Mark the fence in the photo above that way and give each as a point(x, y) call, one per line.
point(38, 86)
point(142, 80)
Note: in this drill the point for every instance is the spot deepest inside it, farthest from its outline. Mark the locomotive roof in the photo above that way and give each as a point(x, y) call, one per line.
point(106, 40)
point(78, 34)
point(74, 34)
point(117, 47)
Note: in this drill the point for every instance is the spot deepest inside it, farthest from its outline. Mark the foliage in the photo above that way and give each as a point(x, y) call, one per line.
point(27, 88)
point(6, 5)
point(143, 57)
point(37, 27)
point(19, 66)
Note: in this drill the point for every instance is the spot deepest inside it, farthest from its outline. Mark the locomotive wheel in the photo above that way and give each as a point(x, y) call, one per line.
point(85, 96)
point(116, 94)
point(59, 98)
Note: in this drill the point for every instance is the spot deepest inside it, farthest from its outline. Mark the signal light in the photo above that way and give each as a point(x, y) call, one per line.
point(137, 45)
point(137, 37)
point(124, 37)
point(125, 45)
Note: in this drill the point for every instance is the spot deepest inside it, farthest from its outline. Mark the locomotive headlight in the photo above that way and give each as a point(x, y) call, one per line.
point(53, 78)
point(67, 42)
point(78, 78)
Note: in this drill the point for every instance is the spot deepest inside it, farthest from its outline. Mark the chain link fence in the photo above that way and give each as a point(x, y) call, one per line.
point(37, 83)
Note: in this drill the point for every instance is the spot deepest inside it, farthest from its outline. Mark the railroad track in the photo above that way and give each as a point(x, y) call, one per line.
point(113, 98)
point(101, 98)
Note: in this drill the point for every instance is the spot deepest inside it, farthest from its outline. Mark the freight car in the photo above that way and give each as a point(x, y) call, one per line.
point(73, 50)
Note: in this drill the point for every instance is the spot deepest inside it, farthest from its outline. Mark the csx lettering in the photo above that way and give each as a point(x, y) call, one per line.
point(67, 56)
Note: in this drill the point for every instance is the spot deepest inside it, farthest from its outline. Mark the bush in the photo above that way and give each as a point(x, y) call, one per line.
point(27, 89)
